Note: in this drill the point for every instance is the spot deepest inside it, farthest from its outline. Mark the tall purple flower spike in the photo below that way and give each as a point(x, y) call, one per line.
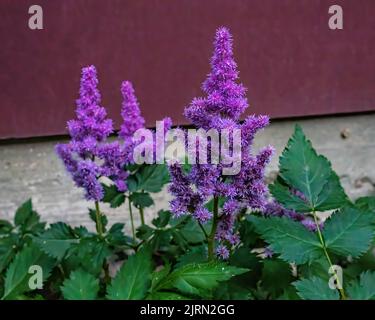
point(88, 146)
point(133, 120)
point(221, 108)
point(130, 112)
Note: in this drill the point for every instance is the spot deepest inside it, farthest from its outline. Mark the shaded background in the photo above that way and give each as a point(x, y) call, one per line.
point(291, 62)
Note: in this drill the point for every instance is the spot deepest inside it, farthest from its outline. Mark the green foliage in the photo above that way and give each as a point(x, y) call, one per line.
point(112, 196)
point(141, 199)
point(27, 219)
point(116, 237)
point(134, 278)
point(198, 279)
point(89, 254)
point(103, 218)
point(56, 240)
point(195, 254)
point(276, 276)
point(366, 204)
point(162, 219)
point(303, 170)
point(315, 289)
point(80, 286)
point(17, 275)
point(349, 232)
point(5, 227)
point(167, 260)
point(364, 288)
point(14, 237)
point(288, 238)
point(8, 249)
point(149, 178)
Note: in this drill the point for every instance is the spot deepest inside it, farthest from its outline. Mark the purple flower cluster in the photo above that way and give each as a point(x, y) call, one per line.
point(89, 156)
point(221, 109)
point(130, 113)
point(275, 209)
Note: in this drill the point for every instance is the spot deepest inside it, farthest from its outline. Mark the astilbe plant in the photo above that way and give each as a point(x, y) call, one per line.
point(276, 246)
point(221, 109)
point(89, 155)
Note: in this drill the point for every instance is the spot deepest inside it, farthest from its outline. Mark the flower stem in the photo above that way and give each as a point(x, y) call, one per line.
point(322, 242)
point(211, 237)
point(99, 226)
point(131, 219)
point(203, 230)
point(141, 213)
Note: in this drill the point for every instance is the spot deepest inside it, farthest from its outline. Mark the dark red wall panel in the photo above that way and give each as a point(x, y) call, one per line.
point(291, 62)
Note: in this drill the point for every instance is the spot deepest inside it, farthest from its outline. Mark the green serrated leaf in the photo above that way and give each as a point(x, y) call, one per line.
point(8, 249)
point(247, 233)
point(244, 258)
point(132, 183)
point(141, 199)
point(276, 276)
point(27, 219)
point(281, 192)
point(317, 268)
point(23, 213)
point(5, 227)
point(89, 254)
point(112, 196)
point(158, 276)
point(81, 285)
point(133, 279)
point(302, 169)
point(288, 238)
point(144, 232)
point(191, 232)
point(195, 254)
point(17, 275)
point(118, 201)
point(364, 289)
point(152, 178)
point(315, 289)
point(289, 293)
point(110, 192)
point(366, 204)
point(349, 232)
point(116, 236)
point(163, 219)
point(199, 279)
point(56, 240)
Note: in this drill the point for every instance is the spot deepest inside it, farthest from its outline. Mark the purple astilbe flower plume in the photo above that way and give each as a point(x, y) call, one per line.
point(133, 120)
point(220, 109)
point(91, 125)
point(222, 252)
point(275, 209)
point(114, 157)
point(225, 98)
point(130, 112)
point(88, 156)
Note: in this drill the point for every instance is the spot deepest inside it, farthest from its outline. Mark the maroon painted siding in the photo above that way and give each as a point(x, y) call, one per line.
point(292, 63)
